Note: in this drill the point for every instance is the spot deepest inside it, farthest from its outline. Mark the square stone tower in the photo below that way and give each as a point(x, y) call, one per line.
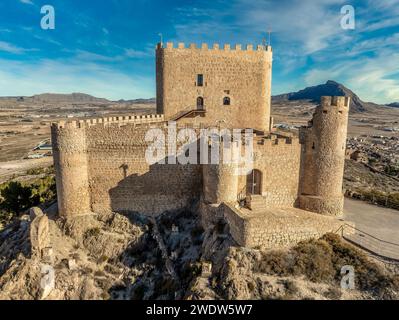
point(230, 85)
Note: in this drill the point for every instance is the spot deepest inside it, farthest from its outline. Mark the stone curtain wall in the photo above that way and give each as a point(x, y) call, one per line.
point(243, 75)
point(121, 179)
point(100, 165)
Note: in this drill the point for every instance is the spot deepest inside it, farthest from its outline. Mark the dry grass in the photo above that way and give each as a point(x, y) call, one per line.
point(321, 261)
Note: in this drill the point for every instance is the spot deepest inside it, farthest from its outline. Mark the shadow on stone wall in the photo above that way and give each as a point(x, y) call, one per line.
point(164, 187)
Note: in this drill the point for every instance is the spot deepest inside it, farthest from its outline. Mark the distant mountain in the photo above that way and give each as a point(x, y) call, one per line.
point(393, 105)
point(73, 97)
point(139, 101)
point(330, 88)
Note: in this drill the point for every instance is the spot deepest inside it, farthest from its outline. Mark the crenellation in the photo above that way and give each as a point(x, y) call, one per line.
point(108, 120)
point(215, 46)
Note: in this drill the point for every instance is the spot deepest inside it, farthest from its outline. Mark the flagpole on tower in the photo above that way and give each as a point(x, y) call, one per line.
point(270, 36)
point(160, 35)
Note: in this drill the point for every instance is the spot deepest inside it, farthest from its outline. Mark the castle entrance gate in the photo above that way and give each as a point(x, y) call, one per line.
point(200, 103)
point(254, 182)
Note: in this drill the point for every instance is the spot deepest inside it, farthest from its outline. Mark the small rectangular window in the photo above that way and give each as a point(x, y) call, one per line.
point(200, 80)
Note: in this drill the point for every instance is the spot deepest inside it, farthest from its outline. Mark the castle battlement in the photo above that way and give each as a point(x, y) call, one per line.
point(277, 140)
point(136, 119)
point(215, 47)
point(335, 101)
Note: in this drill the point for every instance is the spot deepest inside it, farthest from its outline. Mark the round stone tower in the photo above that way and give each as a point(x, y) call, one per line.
point(71, 168)
point(325, 156)
point(220, 181)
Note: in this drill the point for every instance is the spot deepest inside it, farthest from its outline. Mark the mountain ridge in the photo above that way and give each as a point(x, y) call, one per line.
point(330, 88)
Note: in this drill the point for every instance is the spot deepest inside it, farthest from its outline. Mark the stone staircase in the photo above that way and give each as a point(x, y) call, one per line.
point(188, 112)
point(256, 203)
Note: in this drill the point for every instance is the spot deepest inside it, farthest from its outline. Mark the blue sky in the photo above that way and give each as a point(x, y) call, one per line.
point(106, 48)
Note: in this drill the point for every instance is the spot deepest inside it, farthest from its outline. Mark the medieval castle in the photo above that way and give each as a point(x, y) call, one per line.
point(294, 191)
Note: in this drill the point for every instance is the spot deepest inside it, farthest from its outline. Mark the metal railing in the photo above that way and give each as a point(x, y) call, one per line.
point(242, 197)
point(186, 111)
point(372, 244)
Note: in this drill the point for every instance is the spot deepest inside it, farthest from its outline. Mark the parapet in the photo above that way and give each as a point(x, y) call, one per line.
point(121, 120)
point(336, 101)
point(215, 47)
point(277, 140)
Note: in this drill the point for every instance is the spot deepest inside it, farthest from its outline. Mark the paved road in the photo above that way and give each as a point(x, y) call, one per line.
point(380, 222)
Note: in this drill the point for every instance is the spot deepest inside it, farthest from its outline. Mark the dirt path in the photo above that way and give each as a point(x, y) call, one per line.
point(19, 167)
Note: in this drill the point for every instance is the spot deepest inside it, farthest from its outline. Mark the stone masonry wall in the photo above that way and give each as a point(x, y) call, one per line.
point(122, 180)
point(243, 75)
point(100, 165)
point(279, 161)
point(275, 228)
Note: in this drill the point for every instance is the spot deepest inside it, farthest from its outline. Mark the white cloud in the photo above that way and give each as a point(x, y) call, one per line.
point(26, 1)
point(10, 48)
point(372, 78)
point(314, 25)
point(70, 75)
point(132, 53)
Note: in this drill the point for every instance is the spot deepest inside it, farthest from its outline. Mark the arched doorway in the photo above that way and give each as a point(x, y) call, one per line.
point(200, 103)
point(254, 182)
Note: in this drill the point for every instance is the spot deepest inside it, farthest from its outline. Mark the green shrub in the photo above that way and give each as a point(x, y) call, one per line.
point(313, 259)
point(321, 261)
point(383, 199)
point(17, 197)
point(44, 190)
point(38, 171)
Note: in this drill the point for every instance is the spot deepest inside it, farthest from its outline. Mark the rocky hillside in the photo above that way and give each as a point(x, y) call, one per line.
point(330, 88)
point(114, 256)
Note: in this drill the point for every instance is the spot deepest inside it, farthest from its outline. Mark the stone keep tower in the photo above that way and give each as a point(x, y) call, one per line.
point(323, 157)
point(219, 84)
